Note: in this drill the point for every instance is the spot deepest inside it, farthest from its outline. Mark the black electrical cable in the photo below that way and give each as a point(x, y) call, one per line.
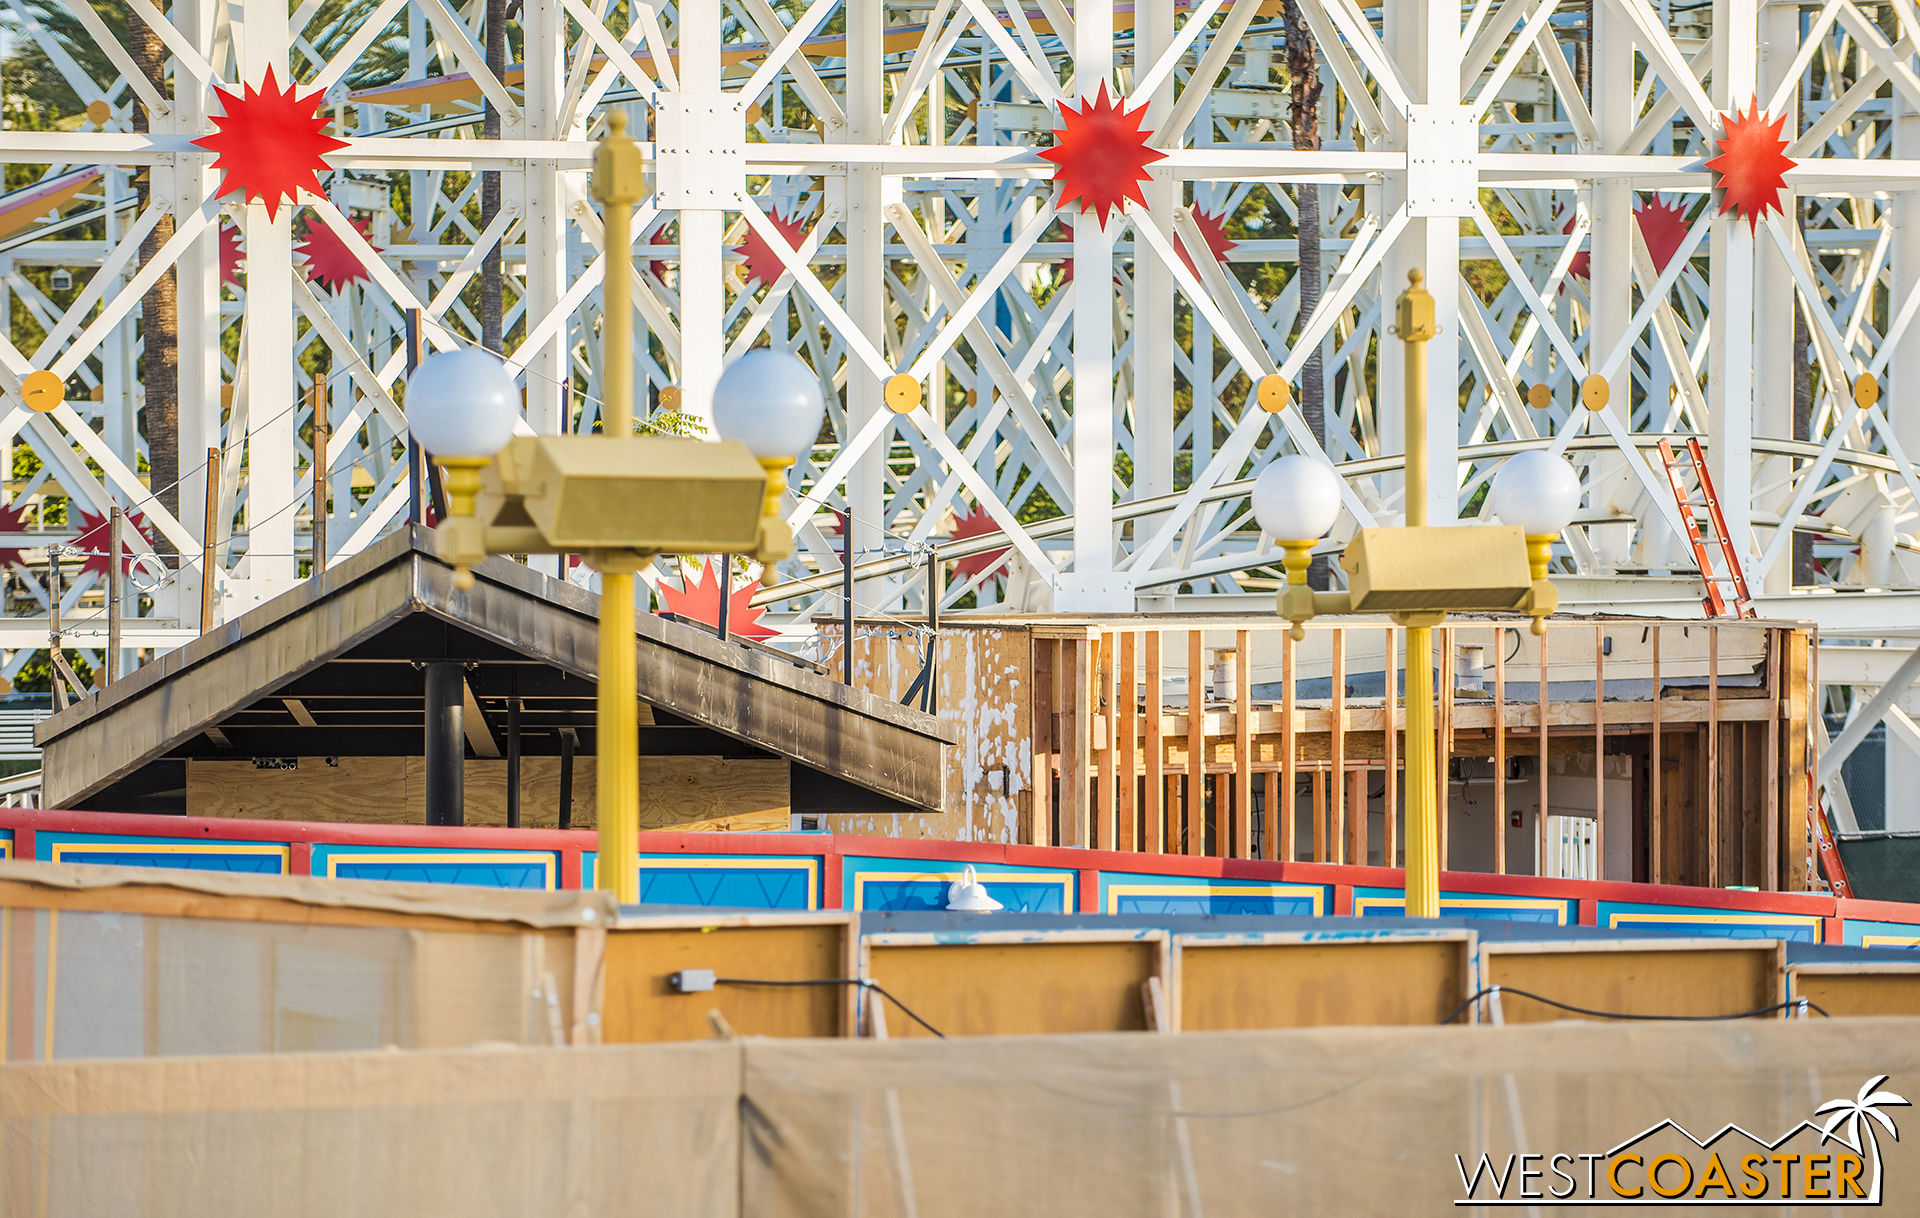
point(1507, 989)
point(862, 982)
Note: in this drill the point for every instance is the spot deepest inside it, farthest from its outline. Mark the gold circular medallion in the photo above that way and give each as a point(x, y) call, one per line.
point(902, 393)
point(1866, 390)
point(1594, 392)
point(42, 390)
point(1274, 394)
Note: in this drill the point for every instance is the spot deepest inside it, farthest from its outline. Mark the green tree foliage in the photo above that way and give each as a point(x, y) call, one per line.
point(31, 71)
point(36, 675)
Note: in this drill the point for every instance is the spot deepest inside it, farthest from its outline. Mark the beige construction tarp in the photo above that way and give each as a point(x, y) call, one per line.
point(370, 1135)
point(130, 962)
point(1320, 1121)
point(535, 908)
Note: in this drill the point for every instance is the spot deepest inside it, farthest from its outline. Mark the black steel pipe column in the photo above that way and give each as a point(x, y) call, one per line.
point(513, 754)
point(446, 743)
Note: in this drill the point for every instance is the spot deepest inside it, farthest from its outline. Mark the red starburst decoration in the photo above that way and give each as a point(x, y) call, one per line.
point(1752, 167)
point(763, 264)
point(1213, 228)
point(656, 268)
point(95, 541)
point(330, 263)
point(270, 143)
point(1102, 154)
point(973, 524)
point(701, 602)
point(1663, 226)
point(12, 520)
point(1582, 265)
point(231, 252)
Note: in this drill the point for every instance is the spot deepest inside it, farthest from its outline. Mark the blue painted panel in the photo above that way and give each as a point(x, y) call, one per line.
point(179, 853)
point(723, 881)
point(1725, 924)
point(731, 881)
point(903, 884)
point(1392, 903)
point(417, 865)
point(1896, 935)
point(1024, 896)
point(1122, 893)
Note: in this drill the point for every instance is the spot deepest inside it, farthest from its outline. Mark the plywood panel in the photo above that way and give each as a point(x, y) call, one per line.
point(986, 690)
point(1634, 980)
point(1006, 989)
point(640, 1007)
point(1864, 992)
point(685, 793)
point(697, 793)
point(1227, 986)
point(471, 989)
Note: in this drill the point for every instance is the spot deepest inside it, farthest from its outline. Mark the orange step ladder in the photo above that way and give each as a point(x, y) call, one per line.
point(1715, 600)
point(1823, 840)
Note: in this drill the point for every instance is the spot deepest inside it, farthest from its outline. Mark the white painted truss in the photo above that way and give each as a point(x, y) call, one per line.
point(880, 160)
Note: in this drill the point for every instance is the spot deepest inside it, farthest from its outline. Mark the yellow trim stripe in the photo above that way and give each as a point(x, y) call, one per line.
point(82, 850)
point(1890, 940)
point(1066, 882)
point(742, 863)
point(1554, 905)
point(1615, 920)
point(548, 862)
point(1314, 892)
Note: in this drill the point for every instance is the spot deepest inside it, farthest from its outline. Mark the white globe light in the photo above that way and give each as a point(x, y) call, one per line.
point(769, 401)
point(1537, 491)
point(462, 404)
point(1296, 498)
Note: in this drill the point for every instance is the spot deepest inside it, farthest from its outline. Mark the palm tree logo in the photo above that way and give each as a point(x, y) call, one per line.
point(1866, 1104)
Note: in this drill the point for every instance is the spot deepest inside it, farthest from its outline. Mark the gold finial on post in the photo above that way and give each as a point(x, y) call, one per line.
point(1413, 312)
point(619, 182)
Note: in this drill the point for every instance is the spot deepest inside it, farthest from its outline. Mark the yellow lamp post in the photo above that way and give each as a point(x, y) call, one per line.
point(619, 182)
point(1418, 574)
point(617, 498)
point(1414, 326)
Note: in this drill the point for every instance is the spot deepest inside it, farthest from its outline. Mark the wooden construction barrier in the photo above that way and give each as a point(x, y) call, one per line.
point(802, 964)
point(137, 962)
point(1658, 977)
point(1016, 982)
point(1853, 989)
point(1225, 982)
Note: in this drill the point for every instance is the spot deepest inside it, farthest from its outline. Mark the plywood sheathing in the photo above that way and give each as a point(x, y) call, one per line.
point(986, 692)
point(686, 794)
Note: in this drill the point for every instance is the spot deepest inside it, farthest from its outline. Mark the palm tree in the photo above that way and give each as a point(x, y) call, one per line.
point(159, 308)
point(1866, 1104)
point(1303, 79)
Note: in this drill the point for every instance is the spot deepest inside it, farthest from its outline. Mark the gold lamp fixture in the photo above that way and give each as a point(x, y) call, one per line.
point(617, 498)
point(1417, 573)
